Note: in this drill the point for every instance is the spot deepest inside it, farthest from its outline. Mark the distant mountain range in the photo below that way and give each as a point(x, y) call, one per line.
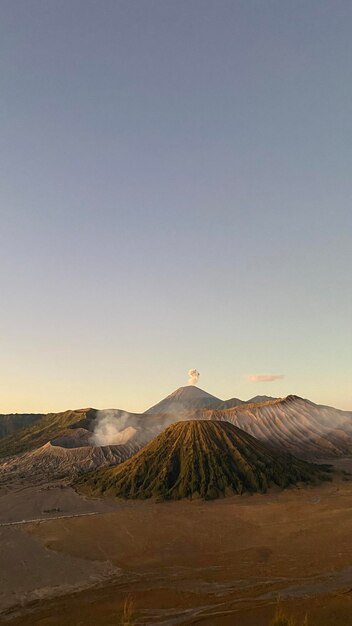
point(67, 443)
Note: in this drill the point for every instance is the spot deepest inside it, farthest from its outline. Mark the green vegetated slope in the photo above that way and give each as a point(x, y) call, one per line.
point(200, 458)
point(41, 431)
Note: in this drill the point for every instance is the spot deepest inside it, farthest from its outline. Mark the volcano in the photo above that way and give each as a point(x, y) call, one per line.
point(205, 459)
point(185, 399)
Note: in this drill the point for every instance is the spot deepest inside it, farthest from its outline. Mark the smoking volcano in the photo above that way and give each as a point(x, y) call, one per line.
point(185, 399)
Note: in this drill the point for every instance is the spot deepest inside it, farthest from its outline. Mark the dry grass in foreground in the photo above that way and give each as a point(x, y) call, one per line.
point(281, 619)
point(128, 613)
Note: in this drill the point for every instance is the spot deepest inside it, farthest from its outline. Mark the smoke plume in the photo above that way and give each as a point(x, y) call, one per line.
point(193, 376)
point(111, 429)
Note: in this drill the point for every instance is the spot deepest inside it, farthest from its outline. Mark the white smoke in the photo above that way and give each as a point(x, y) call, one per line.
point(193, 376)
point(111, 429)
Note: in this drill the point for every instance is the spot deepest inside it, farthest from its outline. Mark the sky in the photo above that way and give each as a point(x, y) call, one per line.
point(175, 193)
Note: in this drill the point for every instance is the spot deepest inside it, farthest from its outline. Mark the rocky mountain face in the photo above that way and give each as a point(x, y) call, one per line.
point(292, 424)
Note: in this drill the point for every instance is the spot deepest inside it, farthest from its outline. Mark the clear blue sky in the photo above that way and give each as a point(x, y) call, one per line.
point(175, 192)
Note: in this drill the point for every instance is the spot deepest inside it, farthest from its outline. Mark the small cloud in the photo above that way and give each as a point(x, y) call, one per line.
point(264, 378)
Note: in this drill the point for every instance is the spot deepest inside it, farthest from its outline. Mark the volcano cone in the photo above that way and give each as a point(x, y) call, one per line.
point(200, 459)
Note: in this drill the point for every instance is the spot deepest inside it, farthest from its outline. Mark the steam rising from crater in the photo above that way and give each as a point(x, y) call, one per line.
point(111, 429)
point(193, 376)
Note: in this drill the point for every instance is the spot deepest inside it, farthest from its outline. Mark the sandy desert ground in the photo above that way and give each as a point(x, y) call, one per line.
point(212, 563)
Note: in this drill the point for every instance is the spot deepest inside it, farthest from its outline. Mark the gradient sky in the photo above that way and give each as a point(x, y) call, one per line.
point(176, 187)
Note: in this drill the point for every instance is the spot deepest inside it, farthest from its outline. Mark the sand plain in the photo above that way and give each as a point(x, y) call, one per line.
point(224, 562)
